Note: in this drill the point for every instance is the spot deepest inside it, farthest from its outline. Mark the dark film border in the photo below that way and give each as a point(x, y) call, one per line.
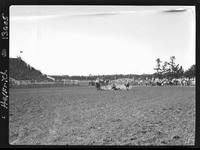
point(4, 70)
point(4, 59)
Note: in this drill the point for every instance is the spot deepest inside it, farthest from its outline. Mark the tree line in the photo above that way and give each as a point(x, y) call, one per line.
point(167, 69)
point(170, 70)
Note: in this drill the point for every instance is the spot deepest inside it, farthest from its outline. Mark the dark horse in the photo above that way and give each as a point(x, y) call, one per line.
point(97, 85)
point(127, 85)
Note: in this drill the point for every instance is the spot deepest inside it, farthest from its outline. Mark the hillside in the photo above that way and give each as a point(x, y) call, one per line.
point(20, 70)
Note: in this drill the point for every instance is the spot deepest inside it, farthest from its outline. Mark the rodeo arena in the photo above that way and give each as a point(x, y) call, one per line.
point(99, 110)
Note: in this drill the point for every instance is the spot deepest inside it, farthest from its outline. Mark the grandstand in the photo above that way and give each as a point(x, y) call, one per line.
point(22, 73)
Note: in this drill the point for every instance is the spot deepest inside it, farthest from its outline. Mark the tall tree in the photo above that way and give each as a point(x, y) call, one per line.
point(172, 58)
point(165, 69)
point(180, 72)
point(172, 67)
point(172, 63)
point(158, 68)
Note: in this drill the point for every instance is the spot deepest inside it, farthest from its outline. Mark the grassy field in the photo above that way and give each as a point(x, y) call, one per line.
point(85, 116)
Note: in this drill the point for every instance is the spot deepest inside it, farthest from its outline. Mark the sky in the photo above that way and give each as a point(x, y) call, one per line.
point(101, 40)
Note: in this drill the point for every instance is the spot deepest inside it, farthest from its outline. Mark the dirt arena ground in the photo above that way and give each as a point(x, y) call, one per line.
point(85, 116)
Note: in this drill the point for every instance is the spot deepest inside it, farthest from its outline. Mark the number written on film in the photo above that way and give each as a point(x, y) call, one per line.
point(4, 33)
